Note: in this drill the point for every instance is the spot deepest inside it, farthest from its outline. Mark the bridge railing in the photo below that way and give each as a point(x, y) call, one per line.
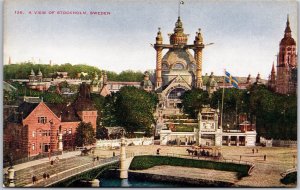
point(72, 172)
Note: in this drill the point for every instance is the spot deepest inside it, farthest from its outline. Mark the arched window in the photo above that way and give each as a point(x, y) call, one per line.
point(176, 93)
point(192, 66)
point(178, 66)
point(165, 66)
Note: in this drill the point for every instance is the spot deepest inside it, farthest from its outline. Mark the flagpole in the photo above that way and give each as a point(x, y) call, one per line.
point(222, 105)
point(178, 8)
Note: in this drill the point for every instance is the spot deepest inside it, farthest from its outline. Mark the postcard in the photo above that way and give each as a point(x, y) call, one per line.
point(128, 93)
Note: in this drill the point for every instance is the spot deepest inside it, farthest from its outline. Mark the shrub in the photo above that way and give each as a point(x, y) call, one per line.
point(145, 162)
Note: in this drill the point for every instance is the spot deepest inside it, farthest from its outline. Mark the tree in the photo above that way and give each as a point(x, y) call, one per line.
point(84, 134)
point(193, 100)
point(135, 108)
point(102, 132)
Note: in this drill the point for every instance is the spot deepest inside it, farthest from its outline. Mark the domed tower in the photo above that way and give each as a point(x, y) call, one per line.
point(286, 60)
point(198, 57)
point(178, 70)
point(32, 76)
point(95, 83)
point(146, 84)
point(39, 76)
point(211, 85)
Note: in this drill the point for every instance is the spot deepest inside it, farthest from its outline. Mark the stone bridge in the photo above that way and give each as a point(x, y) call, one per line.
point(87, 171)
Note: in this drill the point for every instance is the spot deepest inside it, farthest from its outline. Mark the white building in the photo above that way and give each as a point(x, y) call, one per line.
point(210, 133)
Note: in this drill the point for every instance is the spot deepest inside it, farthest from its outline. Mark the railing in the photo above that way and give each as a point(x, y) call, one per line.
point(117, 142)
point(32, 158)
point(75, 171)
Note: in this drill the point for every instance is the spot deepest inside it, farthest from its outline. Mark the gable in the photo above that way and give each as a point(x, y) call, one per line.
point(41, 110)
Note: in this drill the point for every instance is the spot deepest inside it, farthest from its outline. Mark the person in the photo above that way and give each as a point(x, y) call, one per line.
point(265, 157)
point(44, 176)
point(51, 162)
point(97, 158)
point(157, 151)
point(114, 154)
point(253, 151)
point(48, 176)
point(33, 180)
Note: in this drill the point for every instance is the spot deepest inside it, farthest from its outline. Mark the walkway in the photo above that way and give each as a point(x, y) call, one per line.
point(43, 160)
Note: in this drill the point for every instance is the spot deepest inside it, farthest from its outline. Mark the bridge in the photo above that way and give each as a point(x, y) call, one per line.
point(81, 169)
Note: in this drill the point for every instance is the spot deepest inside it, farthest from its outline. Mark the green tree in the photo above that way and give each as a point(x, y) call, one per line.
point(135, 109)
point(193, 100)
point(84, 134)
point(102, 132)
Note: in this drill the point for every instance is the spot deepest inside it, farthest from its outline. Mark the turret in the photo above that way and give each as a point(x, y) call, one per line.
point(198, 43)
point(158, 48)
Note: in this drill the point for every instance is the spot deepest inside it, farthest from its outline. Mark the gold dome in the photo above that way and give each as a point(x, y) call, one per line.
point(178, 37)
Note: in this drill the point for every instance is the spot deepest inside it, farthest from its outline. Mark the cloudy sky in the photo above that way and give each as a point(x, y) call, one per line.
point(245, 34)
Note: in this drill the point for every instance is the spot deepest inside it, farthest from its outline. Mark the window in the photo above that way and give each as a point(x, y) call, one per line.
point(65, 131)
point(33, 133)
point(165, 67)
point(42, 120)
point(33, 146)
point(176, 93)
point(70, 131)
point(178, 66)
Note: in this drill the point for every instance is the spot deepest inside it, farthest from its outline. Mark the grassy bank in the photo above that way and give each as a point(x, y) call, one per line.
point(145, 162)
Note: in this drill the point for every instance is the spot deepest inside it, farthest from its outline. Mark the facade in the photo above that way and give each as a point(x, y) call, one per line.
point(35, 127)
point(284, 80)
point(178, 70)
point(209, 132)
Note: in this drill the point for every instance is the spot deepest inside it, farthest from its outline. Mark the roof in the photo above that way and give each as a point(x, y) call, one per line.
point(23, 111)
point(287, 41)
point(178, 56)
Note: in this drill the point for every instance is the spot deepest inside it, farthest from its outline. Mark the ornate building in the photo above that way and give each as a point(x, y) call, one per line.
point(178, 70)
point(285, 82)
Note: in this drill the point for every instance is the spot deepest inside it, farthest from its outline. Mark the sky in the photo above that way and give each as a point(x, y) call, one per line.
point(246, 34)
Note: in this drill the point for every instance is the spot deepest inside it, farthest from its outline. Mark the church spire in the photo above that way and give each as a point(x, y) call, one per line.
point(287, 31)
point(273, 68)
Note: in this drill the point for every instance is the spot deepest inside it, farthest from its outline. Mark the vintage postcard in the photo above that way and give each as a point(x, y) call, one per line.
point(129, 93)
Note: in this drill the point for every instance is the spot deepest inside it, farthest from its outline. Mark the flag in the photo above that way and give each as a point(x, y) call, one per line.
point(232, 80)
point(181, 2)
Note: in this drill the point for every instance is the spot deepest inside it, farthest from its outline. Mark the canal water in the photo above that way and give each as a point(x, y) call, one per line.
point(111, 179)
point(110, 182)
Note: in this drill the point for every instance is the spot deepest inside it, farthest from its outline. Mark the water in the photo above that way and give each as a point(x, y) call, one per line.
point(113, 182)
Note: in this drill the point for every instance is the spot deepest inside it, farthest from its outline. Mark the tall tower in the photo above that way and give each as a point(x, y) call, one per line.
point(272, 79)
point(286, 61)
point(158, 47)
point(178, 60)
point(198, 43)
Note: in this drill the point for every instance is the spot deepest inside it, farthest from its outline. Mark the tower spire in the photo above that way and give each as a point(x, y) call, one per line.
point(179, 3)
point(287, 31)
point(273, 68)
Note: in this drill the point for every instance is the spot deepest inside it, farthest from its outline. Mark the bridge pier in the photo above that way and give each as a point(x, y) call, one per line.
point(11, 177)
point(123, 169)
point(95, 183)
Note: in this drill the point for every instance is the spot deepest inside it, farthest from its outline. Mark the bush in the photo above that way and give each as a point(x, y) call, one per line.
point(145, 162)
point(289, 178)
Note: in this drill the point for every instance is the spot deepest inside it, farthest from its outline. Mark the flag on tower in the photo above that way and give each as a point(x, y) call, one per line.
point(232, 80)
point(181, 2)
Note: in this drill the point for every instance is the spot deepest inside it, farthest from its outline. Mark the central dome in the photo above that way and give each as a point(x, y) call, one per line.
point(182, 56)
point(178, 37)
